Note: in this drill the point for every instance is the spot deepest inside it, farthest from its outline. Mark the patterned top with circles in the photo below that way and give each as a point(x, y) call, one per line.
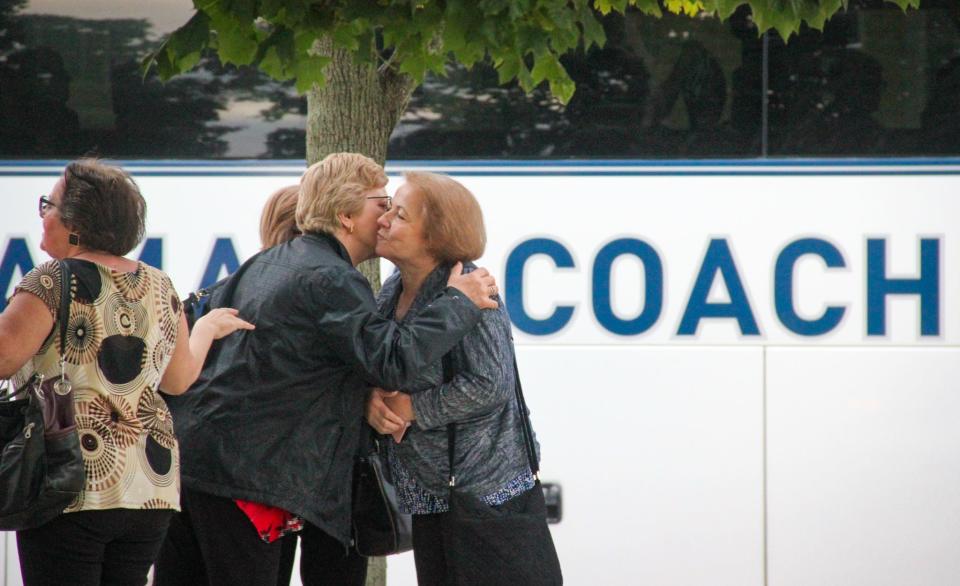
point(120, 336)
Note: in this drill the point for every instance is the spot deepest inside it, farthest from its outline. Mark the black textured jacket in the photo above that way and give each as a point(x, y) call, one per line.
point(275, 416)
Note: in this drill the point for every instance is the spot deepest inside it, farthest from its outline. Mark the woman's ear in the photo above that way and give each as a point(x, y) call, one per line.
point(346, 221)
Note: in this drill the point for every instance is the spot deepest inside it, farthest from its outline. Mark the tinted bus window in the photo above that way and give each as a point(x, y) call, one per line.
point(876, 82)
point(658, 88)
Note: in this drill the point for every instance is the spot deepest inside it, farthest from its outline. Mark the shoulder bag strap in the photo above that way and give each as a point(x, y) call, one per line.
point(447, 362)
point(525, 417)
point(526, 427)
point(64, 315)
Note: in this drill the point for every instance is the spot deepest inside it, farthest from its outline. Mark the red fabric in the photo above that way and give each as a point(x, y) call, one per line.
point(271, 523)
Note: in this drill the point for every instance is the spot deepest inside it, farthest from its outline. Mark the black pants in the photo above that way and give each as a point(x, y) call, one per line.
point(89, 548)
point(323, 561)
point(428, 553)
point(211, 541)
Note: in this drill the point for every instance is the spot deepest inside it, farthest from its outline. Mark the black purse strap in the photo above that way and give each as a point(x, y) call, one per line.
point(66, 296)
point(63, 317)
point(526, 427)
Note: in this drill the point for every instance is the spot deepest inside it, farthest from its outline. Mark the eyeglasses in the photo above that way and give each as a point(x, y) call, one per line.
point(45, 205)
point(386, 197)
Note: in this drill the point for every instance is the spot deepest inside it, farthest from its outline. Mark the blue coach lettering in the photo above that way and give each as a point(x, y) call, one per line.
point(927, 286)
point(17, 255)
point(223, 256)
point(514, 286)
point(653, 281)
point(783, 287)
point(718, 259)
point(152, 252)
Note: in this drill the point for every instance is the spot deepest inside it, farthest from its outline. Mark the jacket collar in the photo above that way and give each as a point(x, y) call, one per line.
point(332, 242)
point(433, 285)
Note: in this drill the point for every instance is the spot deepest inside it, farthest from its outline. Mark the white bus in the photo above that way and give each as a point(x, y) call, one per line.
point(741, 357)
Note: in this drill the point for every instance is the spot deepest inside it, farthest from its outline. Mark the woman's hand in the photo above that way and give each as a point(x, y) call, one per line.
point(401, 404)
point(221, 322)
point(380, 416)
point(479, 286)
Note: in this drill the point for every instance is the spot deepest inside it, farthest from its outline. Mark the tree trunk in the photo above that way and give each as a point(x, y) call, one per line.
point(356, 111)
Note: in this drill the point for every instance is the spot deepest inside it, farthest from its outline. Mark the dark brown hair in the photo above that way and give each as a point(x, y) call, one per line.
point(278, 221)
point(102, 204)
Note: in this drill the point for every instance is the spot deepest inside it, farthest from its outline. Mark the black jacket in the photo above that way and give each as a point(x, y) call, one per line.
point(275, 416)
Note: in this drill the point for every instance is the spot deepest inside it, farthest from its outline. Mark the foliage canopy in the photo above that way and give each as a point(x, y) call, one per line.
point(523, 38)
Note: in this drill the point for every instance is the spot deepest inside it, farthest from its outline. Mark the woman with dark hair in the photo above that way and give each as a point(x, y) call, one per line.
point(126, 341)
point(434, 223)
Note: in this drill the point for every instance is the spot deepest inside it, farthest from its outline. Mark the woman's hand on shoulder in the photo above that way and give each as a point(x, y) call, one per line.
point(479, 285)
point(221, 322)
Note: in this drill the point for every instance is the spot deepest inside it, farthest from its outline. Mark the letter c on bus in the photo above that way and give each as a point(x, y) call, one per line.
point(513, 292)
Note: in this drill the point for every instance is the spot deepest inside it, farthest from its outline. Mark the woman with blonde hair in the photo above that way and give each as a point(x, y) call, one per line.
point(275, 417)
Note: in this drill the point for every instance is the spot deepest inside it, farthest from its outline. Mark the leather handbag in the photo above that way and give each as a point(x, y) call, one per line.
point(379, 528)
point(41, 466)
point(508, 544)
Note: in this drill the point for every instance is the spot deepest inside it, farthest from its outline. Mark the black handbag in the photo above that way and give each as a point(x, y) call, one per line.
point(41, 466)
point(379, 528)
point(509, 544)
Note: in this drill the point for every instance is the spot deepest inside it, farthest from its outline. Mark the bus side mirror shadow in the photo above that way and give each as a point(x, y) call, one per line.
point(553, 496)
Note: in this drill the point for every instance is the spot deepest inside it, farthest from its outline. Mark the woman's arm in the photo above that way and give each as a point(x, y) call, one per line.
point(482, 378)
point(190, 352)
point(386, 353)
point(24, 325)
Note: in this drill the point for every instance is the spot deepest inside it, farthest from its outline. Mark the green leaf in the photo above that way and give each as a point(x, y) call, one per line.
point(726, 8)
point(309, 72)
point(546, 66)
point(563, 89)
point(236, 45)
point(191, 37)
point(413, 62)
point(346, 37)
point(274, 66)
point(606, 6)
point(244, 11)
point(525, 79)
point(651, 7)
point(182, 49)
point(593, 33)
point(508, 68)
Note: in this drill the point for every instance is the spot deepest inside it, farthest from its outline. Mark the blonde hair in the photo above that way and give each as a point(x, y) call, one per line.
point(333, 186)
point(452, 219)
point(277, 221)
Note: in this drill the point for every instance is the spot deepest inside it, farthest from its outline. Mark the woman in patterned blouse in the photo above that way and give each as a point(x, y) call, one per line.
point(126, 341)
